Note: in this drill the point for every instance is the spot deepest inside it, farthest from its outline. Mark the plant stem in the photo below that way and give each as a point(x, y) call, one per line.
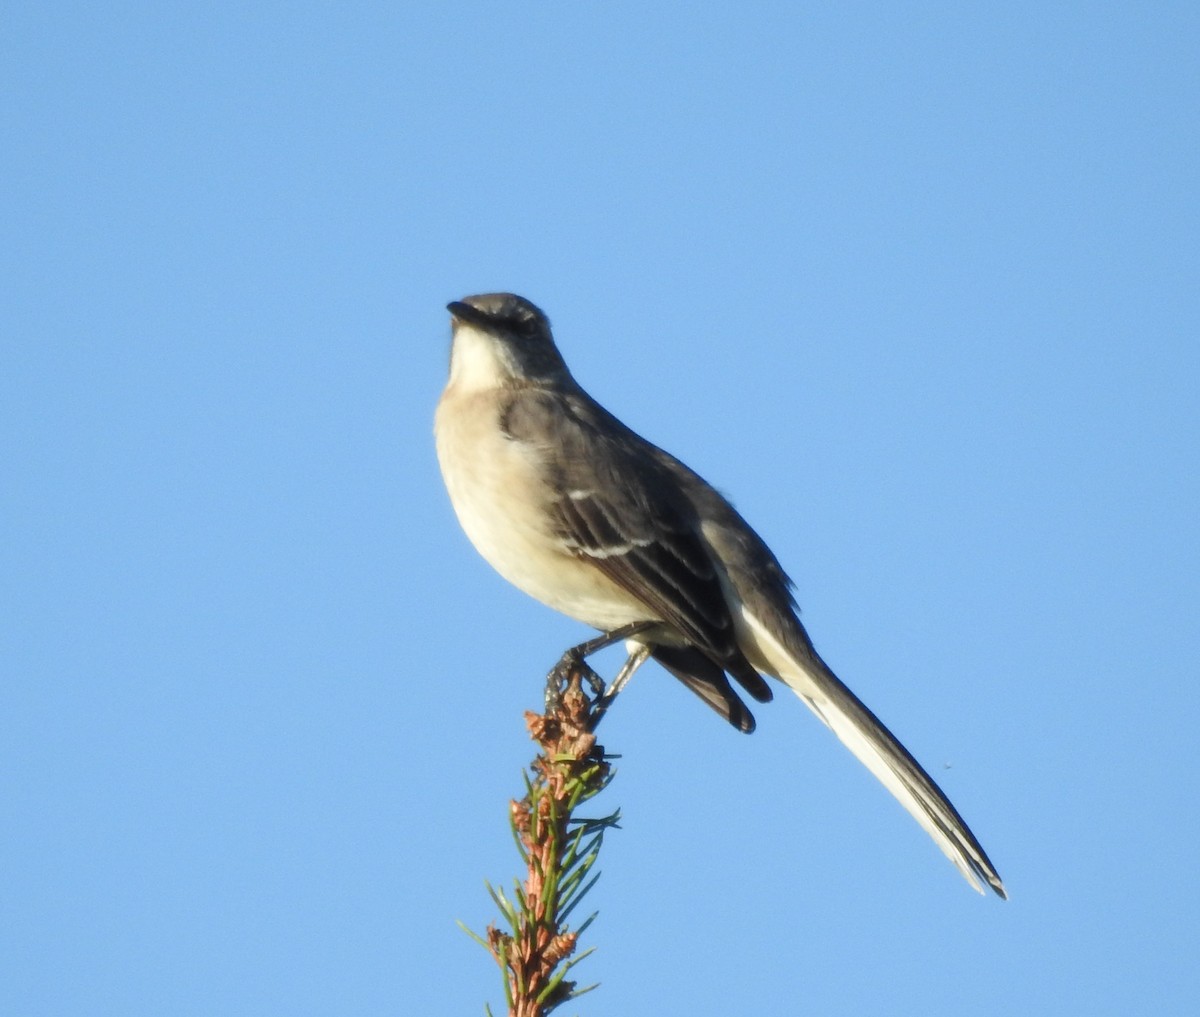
point(535, 952)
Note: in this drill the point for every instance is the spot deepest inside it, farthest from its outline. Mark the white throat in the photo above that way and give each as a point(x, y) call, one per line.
point(478, 361)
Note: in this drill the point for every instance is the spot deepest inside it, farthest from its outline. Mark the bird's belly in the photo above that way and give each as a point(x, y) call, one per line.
point(493, 485)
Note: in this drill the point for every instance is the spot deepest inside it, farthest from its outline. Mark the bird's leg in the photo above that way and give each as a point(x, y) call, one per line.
point(639, 656)
point(575, 660)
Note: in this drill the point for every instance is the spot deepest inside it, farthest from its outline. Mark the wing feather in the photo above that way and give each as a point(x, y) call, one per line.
point(616, 505)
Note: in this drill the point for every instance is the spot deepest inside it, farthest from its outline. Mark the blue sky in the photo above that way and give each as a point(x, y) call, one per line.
point(915, 284)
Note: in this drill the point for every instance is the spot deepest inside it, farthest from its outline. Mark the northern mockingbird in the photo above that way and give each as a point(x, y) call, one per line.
point(574, 508)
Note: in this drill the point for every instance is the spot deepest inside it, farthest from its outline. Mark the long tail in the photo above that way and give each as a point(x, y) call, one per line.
point(874, 745)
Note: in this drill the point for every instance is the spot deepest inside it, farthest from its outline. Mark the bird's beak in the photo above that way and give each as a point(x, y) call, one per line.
point(465, 312)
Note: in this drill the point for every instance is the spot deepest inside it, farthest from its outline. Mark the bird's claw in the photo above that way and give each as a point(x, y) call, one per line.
point(559, 678)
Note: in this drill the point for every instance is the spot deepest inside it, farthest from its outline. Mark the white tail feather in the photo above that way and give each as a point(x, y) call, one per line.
point(873, 746)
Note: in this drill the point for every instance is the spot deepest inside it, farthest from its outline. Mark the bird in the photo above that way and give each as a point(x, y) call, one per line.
point(577, 510)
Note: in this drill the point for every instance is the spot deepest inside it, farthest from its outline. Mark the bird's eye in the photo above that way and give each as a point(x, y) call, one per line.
point(525, 324)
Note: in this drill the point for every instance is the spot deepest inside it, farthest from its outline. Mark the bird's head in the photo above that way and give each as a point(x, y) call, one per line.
point(502, 339)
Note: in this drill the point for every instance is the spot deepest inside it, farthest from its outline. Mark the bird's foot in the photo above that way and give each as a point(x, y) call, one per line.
point(574, 661)
point(571, 663)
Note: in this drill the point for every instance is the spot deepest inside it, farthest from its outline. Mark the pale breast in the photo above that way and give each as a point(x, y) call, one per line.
point(494, 484)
